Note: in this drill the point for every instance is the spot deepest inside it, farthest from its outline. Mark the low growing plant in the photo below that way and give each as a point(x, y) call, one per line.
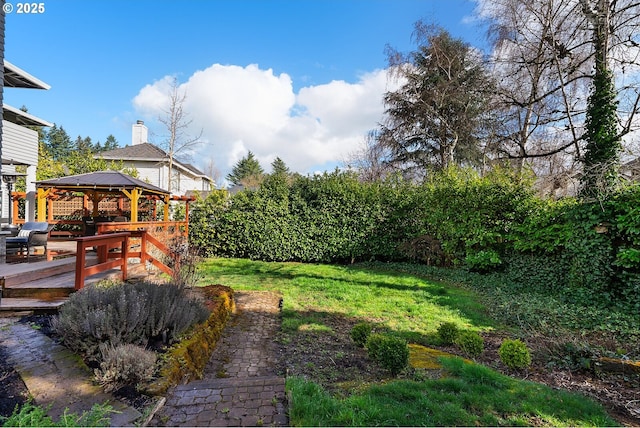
point(125, 365)
point(448, 332)
point(470, 343)
point(360, 333)
point(390, 352)
point(126, 313)
point(31, 415)
point(514, 354)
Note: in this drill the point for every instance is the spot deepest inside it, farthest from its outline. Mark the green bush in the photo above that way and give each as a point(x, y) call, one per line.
point(447, 333)
point(470, 343)
point(390, 352)
point(125, 365)
point(360, 333)
point(483, 261)
point(514, 354)
point(125, 313)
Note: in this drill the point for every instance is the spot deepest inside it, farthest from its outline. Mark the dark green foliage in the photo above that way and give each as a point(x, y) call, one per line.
point(360, 333)
point(125, 313)
point(470, 343)
point(604, 144)
point(435, 119)
point(245, 170)
point(514, 354)
point(447, 333)
point(483, 261)
point(390, 352)
point(334, 217)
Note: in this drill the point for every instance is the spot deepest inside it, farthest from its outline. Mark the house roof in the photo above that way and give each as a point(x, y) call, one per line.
point(113, 181)
point(147, 152)
point(144, 151)
point(20, 117)
point(15, 77)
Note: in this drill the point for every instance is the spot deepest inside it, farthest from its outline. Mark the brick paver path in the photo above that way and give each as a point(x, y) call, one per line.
point(240, 386)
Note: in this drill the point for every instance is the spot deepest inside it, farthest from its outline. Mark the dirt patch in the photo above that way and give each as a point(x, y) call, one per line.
point(13, 391)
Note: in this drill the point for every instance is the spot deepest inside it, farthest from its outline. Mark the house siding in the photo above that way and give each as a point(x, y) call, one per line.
point(19, 143)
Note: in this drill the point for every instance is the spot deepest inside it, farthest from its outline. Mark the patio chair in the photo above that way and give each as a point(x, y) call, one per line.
point(31, 234)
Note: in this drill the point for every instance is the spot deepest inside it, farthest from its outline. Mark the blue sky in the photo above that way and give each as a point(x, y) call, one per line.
point(301, 80)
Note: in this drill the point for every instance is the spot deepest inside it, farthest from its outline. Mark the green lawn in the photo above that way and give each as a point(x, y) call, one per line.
point(412, 307)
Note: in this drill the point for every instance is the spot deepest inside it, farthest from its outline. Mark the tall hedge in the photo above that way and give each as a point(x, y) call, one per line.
point(334, 217)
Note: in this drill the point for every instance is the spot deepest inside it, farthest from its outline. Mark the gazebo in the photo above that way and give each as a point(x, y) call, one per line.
point(100, 185)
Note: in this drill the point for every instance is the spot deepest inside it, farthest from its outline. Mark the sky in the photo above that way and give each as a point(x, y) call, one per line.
point(302, 80)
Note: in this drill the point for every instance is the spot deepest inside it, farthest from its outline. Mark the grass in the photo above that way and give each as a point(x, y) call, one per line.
point(472, 395)
point(411, 306)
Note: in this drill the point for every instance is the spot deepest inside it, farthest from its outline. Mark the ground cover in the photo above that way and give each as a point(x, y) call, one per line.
point(322, 303)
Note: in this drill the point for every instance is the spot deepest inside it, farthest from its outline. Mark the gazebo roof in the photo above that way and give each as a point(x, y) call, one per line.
point(106, 181)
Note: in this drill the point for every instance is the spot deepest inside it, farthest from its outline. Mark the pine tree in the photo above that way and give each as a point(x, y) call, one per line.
point(246, 171)
point(278, 167)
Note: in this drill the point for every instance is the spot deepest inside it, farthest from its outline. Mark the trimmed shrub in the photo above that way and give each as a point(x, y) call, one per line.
point(125, 365)
point(390, 352)
point(360, 333)
point(447, 333)
point(470, 343)
point(514, 354)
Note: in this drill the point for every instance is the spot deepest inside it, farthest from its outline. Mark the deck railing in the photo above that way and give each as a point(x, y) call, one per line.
point(103, 244)
point(122, 242)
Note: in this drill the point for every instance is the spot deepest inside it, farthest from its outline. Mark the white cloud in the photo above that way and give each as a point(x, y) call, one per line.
point(248, 108)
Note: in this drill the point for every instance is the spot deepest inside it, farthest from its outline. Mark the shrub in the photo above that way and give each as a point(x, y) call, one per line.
point(483, 261)
point(514, 354)
point(470, 343)
point(360, 333)
point(125, 365)
point(447, 332)
point(125, 313)
point(390, 352)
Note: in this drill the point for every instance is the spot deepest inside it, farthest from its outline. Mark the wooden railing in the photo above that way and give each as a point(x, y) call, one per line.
point(103, 244)
point(165, 230)
point(108, 259)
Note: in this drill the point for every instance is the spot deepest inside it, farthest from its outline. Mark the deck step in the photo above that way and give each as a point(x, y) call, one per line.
point(23, 273)
point(17, 304)
point(61, 286)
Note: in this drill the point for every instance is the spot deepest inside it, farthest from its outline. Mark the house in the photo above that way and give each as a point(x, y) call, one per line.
point(19, 146)
point(152, 164)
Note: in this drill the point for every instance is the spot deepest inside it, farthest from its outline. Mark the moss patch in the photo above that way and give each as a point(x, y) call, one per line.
point(187, 359)
point(421, 357)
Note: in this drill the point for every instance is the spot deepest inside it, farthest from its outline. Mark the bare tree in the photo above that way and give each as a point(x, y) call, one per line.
point(545, 61)
point(176, 123)
point(369, 159)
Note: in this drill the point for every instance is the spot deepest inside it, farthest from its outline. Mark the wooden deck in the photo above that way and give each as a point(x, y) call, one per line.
point(43, 286)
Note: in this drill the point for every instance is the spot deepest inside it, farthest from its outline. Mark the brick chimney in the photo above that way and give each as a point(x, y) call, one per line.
point(139, 133)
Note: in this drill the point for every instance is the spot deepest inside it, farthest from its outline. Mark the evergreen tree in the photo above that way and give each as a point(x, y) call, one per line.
point(110, 143)
point(58, 143)
point(278, 167)
point(247, 171)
